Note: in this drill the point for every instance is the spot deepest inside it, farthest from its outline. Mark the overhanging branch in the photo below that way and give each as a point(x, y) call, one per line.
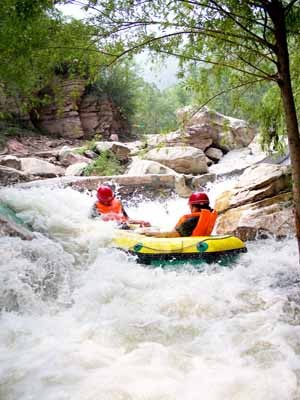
point(264, 76)
point(226, 91)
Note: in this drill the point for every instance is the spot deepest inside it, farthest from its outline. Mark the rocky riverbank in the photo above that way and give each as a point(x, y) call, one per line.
point(208, 147)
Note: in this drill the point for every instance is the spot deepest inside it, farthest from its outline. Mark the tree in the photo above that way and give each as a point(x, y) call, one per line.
point(252, 37)
point(155, 110)
point(36, 42)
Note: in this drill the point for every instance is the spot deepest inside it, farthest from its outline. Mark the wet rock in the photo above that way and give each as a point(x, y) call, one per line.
point(202, 180)
point(256, 183)
point(236, 161)
point(181, 186)
point(10, 228)
point(271, 216)
point(209, 162)
point(259, 204)
point(10, 176)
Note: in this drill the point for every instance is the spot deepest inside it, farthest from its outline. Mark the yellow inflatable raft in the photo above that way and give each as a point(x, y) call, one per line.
point(160, 251)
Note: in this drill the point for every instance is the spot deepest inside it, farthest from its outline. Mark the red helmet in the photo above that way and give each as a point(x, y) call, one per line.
point(198, 198)
point(105, 194)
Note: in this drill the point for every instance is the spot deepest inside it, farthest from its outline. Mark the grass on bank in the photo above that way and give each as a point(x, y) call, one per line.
point(106, 164)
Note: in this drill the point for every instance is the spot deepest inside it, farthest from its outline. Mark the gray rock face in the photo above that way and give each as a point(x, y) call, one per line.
point(64, 120)
point(102, 116)
point(76, 114)
point(259, 204)
point(187, 160)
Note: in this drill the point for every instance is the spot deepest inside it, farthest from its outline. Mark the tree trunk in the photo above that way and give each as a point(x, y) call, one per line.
point(277, 14)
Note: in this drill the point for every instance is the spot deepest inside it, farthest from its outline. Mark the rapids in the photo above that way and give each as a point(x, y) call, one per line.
point(81, 321)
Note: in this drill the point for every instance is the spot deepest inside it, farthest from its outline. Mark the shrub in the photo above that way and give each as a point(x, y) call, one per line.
point(106, 164)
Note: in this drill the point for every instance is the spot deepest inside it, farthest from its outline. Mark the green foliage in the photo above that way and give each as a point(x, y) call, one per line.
point(36, 43)
point(272, 123)
point(119, 83)
point(148, 109)
point(106, 164)
point(236, 40)
point(214, 88)
point(155, 110)
point(89, 145)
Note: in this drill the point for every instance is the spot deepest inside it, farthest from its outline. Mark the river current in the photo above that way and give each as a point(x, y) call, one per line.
point(82, 321)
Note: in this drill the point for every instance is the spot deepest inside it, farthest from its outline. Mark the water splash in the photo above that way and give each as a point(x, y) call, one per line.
point(102, 326)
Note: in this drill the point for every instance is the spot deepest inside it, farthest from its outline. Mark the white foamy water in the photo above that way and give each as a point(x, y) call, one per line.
point(84, 322)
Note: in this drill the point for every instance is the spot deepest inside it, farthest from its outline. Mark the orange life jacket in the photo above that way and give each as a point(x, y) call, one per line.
point(205, 224)
point(113, 212)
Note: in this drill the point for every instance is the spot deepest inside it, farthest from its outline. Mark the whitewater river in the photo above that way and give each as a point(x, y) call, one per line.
point(81, 321)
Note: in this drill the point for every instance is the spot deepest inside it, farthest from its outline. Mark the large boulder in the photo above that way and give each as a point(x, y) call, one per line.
point(271, 216)
point(226, 132)
point(260, 203)
point(76, 169)
point(143, 167)
point(35, 166)
point(68, 156)
point(120, 150)
point(197, 136)
point(214, 154)
point(202, 180)
point(256, 183)
point(182, 159)
point(236, 161)
point(10, 176)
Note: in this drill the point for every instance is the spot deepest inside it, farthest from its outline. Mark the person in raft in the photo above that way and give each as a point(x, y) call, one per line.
point(200, 221)
point(111, 209)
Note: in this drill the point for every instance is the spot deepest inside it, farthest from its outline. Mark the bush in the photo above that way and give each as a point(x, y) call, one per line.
point(106, 164)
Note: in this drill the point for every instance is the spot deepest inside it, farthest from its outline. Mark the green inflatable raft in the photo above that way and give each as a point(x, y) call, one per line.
point(172, 251)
